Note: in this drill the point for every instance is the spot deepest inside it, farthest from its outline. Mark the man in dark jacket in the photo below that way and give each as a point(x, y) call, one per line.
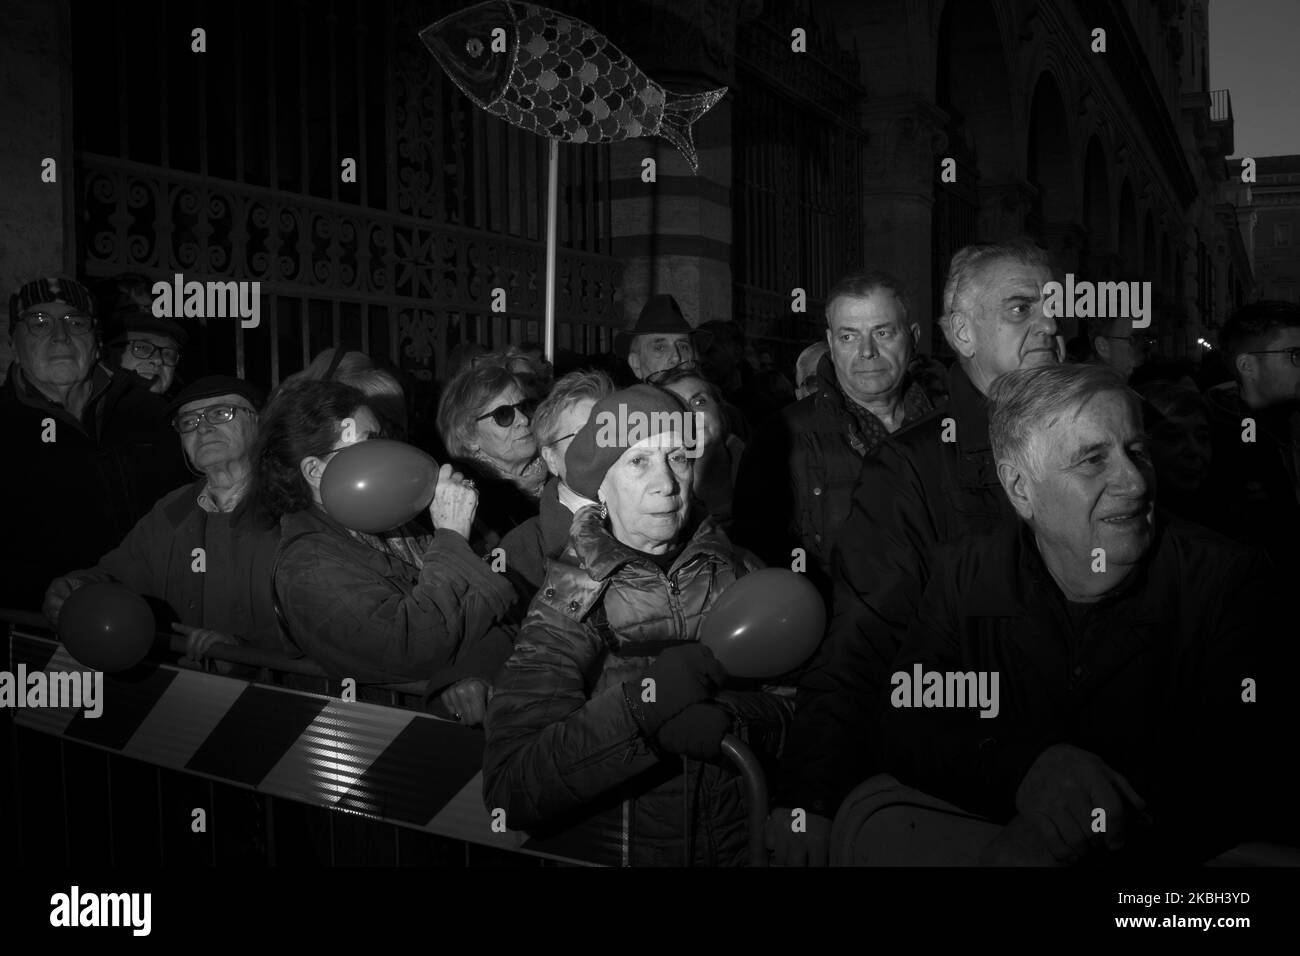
point(797, 477)
point(930, 483)
point(89, 450)
point(1118, 648)
point(198, 552)
point(1255, 428)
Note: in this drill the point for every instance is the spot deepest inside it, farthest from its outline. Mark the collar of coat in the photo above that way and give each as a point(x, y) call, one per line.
point(601, 554)
point(862, 429)
point(1013, 581)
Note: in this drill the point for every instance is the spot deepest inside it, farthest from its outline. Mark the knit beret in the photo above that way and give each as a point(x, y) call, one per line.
point(618, 421)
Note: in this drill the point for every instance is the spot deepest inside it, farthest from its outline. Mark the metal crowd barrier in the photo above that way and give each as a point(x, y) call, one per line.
point(332, 781)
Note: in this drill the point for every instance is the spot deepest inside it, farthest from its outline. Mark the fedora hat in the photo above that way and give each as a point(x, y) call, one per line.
point(660, 315)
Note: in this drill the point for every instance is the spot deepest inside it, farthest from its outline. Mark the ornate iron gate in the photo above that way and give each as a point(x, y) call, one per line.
point(227, 165)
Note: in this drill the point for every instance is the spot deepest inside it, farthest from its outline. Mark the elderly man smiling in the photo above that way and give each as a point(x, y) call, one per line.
point(197, 551)
point(1122, 643)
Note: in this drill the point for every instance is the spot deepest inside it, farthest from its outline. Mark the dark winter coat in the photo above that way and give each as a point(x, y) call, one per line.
point(1149, 679)
point(563, 746)
point(919, 490)
point(69, 500)
point(528, 546)
point(369, 614)
point(230, 593)
point(1252, 481)
point(796, 480)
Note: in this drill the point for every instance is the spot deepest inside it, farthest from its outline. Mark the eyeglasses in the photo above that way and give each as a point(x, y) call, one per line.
point(41, 324)
point(144, 350)
point(503, 416)
point(1294, 352)
point(213, 415)
point(556, 441)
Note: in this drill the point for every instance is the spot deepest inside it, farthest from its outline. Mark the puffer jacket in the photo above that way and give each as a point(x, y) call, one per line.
point(564, 750)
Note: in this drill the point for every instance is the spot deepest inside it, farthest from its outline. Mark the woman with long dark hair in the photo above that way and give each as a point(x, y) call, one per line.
point(395, 607)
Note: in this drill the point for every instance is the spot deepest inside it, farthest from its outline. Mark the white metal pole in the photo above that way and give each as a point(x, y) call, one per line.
point(552, 195)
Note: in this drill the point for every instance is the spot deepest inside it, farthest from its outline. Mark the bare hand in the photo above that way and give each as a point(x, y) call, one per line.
point(454, 502)
point(58, 592)
point(788, 848)
point(1062, 791)
point(467, 699)
point(201, 639)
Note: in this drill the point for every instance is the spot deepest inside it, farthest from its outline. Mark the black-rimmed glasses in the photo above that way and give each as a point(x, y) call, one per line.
point(1293, 351)
point(145, 350)
point(213, 415)
point(41, 324)
point(503, 416)
point(556, 441)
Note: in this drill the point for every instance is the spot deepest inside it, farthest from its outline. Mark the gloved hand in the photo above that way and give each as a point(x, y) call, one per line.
point(696, 732)
point(679, 677)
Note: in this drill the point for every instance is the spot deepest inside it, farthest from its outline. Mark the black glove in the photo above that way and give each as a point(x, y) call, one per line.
point(696, 732)
point(682, 675)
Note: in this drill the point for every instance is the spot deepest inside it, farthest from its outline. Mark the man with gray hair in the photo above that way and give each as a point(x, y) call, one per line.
point(1122, 643)
point(796, 480)
point(930, 483)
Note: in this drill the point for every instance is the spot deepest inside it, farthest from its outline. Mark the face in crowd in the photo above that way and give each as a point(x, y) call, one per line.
point(647, 492)
point(805, 371)
point(217, 431)
point(999, 325)
point(361, 425)
point(1272, 369)
point(503, 429)
point(153, 357)
point(658, 352)
point(1181, 450)
point(698, 397)
point(871, 344)
point(55, 345)
point(1093, 488)
point(567, 424)
point(1121, 347)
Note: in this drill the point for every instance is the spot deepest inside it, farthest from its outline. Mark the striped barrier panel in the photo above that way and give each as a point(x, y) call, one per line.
point(399, 766)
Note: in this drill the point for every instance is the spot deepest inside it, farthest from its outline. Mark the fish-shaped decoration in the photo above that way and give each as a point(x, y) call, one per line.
point(559, 77)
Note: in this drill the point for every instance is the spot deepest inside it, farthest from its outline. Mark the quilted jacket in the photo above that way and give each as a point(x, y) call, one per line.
point(564, 750)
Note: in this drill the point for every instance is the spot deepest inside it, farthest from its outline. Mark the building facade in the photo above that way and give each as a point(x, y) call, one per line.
point(1089, 124)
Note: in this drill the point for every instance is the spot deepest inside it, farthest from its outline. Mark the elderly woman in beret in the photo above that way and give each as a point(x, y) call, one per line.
point(485, 418)
point(609, 696)
point(387, 608)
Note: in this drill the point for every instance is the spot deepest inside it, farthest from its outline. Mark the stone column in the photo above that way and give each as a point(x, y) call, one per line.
point(674, 235)
point(36, 218)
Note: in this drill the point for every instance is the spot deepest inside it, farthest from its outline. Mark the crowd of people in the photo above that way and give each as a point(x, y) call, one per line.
point(1104, 533)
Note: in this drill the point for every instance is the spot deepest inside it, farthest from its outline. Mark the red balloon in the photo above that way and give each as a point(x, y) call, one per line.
point(106, 626)
point(376, 485)
point(766, 623)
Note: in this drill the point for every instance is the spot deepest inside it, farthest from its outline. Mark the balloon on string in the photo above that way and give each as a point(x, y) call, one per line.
point(374, 486)
point(766, 623)
point(106, 626)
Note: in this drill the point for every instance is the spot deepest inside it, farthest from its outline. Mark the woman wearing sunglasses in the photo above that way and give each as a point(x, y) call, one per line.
point(386, 608)
point(485, 418)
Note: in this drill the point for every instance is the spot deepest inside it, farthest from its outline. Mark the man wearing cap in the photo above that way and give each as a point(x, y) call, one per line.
point(139, 341)
point(88, 450)
point(197, 551)
point(661, 339)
